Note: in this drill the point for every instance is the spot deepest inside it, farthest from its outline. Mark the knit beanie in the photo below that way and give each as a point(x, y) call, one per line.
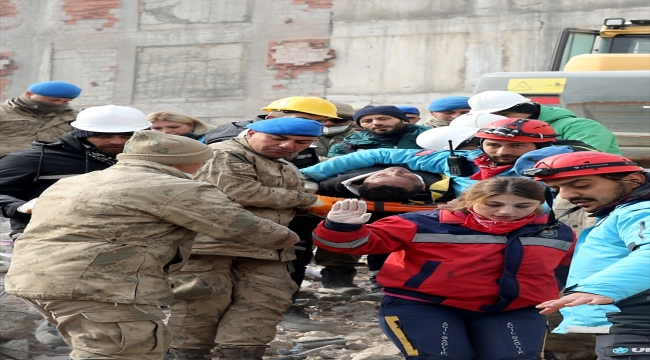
point(164, 149)
point(388, 110)
point(57, 89)
point(78, 133)
point(449, 103)
point(288, 126)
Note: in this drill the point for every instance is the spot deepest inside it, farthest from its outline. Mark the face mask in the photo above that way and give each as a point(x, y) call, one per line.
point(334, 129)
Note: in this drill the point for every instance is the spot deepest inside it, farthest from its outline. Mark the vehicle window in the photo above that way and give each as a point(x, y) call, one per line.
point(631, 44)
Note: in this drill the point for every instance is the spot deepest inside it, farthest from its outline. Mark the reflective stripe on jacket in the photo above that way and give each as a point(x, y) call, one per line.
point(442, 262)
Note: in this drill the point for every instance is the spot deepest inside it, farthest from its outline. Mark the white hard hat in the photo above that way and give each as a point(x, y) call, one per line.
point(438, 138)
point(111, 119)
point(493, 101)
point(475, 120)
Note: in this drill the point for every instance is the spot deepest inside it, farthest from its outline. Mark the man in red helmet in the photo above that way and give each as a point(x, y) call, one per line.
point(608, 288)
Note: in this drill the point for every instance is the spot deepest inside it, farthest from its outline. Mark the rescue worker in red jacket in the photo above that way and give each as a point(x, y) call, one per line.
point(462, 281)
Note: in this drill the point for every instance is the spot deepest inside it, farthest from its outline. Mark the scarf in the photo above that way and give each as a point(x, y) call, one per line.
point(487, 168)
point(480, 223)
point(434, 122)
point(35, 106)
point(93, 153)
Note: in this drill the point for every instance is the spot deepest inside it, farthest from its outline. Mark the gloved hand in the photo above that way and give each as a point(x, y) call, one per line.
point(349, 211)
point(27, 207)
point(311, 187)
point(322, 206)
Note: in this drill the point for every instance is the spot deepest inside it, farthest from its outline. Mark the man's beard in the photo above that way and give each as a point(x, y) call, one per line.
point(110, 151)
point(619, 193)
point(509, 160)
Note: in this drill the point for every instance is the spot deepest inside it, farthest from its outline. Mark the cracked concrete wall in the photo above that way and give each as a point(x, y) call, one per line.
point(222, 60)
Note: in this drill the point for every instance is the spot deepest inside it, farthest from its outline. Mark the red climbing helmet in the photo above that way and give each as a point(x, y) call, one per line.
point(524, 130)
point(581, 163)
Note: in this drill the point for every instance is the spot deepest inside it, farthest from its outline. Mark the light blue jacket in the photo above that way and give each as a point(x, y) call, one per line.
point(434, 162)
point(612, 259)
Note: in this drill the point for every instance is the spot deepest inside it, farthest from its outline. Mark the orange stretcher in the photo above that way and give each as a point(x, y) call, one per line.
point(384, 206)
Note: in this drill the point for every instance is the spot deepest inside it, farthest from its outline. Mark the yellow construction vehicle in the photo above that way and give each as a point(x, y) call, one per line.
point(598, 74)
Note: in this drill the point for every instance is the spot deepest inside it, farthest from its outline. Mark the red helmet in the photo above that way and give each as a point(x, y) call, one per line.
point(581, 163)
point(524, 130)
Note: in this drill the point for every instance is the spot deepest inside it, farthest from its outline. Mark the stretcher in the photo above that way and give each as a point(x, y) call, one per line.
point(378, 206)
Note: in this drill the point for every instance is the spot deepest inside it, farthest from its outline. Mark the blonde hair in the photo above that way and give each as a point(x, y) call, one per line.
point(200, 128)
point(500, 185)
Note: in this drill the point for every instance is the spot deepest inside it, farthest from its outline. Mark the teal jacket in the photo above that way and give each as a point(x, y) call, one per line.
point(363, 140)
point(569, 127)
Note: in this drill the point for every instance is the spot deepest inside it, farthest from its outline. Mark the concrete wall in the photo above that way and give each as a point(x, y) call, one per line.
point(221, 60)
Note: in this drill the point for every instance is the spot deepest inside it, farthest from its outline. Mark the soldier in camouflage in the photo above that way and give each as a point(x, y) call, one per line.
point(229, 296)
point(97, 252)
point(40, 114)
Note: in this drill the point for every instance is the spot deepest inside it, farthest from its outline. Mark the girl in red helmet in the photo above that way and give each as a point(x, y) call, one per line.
point(463, 281)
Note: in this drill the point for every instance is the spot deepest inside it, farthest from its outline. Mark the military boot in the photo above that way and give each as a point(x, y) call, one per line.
point(251, 353)
point(334, 277)
point(188, 354)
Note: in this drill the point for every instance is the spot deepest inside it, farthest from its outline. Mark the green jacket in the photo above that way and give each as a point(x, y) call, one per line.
point(569, 127)
point(363, 140)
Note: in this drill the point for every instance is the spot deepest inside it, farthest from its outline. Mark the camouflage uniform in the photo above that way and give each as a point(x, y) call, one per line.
point(97, 252)
point(234, 295)
point(434, 122)
point(19, 127)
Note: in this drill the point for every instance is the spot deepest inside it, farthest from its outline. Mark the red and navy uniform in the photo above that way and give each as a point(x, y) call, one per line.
point(435, 259)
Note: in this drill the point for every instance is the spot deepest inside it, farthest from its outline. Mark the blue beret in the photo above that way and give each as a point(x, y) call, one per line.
point(449, 103)
point(288, 126)
point(408, 109)
point(529, 159)
point(389, 110)
point(58, 89)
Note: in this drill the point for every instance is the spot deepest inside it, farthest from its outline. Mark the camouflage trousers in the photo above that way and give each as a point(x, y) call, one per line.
point(96, 330)
point(224, 302)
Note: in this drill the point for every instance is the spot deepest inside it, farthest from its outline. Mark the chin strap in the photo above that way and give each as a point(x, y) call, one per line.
point(548, 195)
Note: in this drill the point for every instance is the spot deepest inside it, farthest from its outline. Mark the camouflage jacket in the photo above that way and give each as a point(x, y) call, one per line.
point(270, 189)
point(19, 127)
point(114, 235)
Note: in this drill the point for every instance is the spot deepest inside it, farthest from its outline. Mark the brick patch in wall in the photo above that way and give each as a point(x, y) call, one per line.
point(292, 57)
point(314, 4)
point(91, 10)
point(7, 67)
point(9, 15)
point(8, 9)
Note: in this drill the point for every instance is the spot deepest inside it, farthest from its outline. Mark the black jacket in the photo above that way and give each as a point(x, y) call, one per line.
point(333, 186)
point(228, 131)
point(24, 175)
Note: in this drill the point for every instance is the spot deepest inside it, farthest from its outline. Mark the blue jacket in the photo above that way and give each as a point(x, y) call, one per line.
point(612, 259)
point(416, 160)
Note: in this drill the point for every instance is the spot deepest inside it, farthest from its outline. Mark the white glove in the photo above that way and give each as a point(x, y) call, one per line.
point(311, 187)
point(27, 207)
point(349, 211)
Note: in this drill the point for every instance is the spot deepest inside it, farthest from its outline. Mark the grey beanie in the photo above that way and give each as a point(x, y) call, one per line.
point(164, 149)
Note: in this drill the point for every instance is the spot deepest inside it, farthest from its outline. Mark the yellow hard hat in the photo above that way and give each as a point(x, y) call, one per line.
point(304, 104)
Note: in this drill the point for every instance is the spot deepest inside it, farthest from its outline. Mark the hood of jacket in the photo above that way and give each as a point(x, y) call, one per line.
point(66, 141)
point(553, 114)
